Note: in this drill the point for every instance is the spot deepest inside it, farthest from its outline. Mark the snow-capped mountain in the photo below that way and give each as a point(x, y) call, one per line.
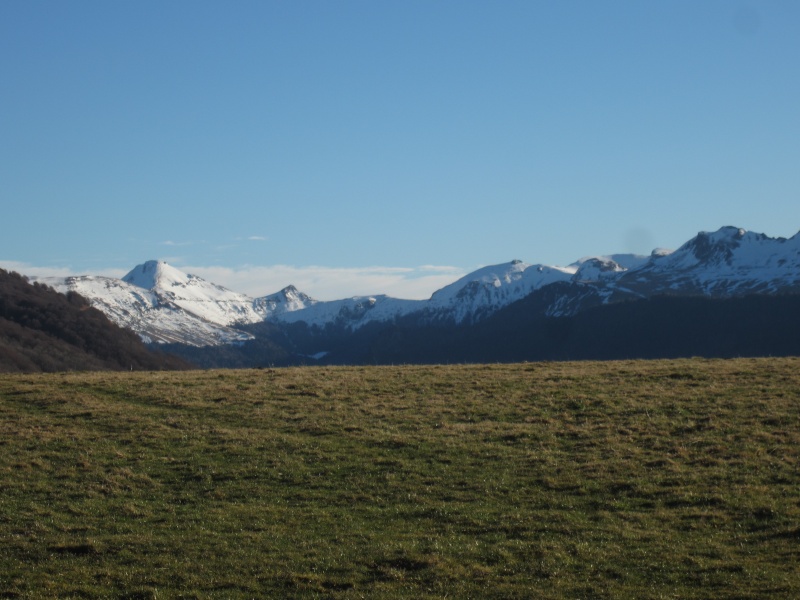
point(193, 294)
point(486, 290)
point(288, 300)
point(163, 304)
point(350, 312)
point(148, 312)
point(727, 262)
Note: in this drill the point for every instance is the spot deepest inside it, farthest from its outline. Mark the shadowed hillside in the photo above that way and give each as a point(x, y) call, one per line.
point(659, 327)
point(42, 330)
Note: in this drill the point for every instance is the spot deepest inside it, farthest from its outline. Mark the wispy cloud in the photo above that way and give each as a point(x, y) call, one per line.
point(251, 238)
point(171, 243)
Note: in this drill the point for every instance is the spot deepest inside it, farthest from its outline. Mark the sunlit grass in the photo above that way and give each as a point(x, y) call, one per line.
point(664, 479)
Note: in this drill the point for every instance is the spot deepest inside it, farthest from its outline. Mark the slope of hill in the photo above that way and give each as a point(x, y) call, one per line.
point(43, 330)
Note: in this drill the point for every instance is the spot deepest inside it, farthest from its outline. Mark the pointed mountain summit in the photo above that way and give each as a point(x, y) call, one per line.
point(289, 299)
point(163, 304)
point(150, 312)
point(194, 294)
point(156, 274)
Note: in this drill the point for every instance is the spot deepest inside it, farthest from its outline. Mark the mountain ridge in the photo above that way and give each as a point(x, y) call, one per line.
point(163, 304)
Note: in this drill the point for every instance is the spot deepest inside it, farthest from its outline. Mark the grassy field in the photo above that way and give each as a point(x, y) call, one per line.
point(662, 479)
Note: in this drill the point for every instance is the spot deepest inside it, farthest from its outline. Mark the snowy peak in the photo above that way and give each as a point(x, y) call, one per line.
point(294, 296)
point(146, 312)
point(155, 273)
point(732, 247)
point(717, 247)
point(493, 277)
point(727, 262)
point(484, 291)
point(158, 276)
point(289, 299)
point(351, 312)
point(597, 269)
point(208, 301)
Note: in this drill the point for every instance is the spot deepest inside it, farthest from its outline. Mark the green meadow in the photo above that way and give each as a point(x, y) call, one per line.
point(631, 479)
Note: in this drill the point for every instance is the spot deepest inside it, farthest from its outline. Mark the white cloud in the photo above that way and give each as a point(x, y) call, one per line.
point(440, 269)
point(332, 283)
point(322, 283)
point(36, 271)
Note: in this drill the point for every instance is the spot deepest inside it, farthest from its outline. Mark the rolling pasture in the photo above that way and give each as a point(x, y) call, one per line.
point(624, 479)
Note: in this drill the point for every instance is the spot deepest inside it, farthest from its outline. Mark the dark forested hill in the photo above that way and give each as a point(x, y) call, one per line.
point(659, 327)
point(42, 330)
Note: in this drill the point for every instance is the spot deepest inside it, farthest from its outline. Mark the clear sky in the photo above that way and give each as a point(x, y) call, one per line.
point(356, 147)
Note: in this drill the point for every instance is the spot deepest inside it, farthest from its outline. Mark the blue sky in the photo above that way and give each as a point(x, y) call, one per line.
point(355, 147)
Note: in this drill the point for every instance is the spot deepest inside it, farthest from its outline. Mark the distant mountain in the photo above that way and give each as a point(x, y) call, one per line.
point(729, 262)
point(288, 300)
point(43, 330)
point(163, 304)
point(483, 292)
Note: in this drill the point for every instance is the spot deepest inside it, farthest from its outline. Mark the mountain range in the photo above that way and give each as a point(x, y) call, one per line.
point(166, 306)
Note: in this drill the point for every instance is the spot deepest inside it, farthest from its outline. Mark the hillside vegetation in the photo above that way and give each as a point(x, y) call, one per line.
point(630, 479)
point(42, 330)
point(659, 327)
